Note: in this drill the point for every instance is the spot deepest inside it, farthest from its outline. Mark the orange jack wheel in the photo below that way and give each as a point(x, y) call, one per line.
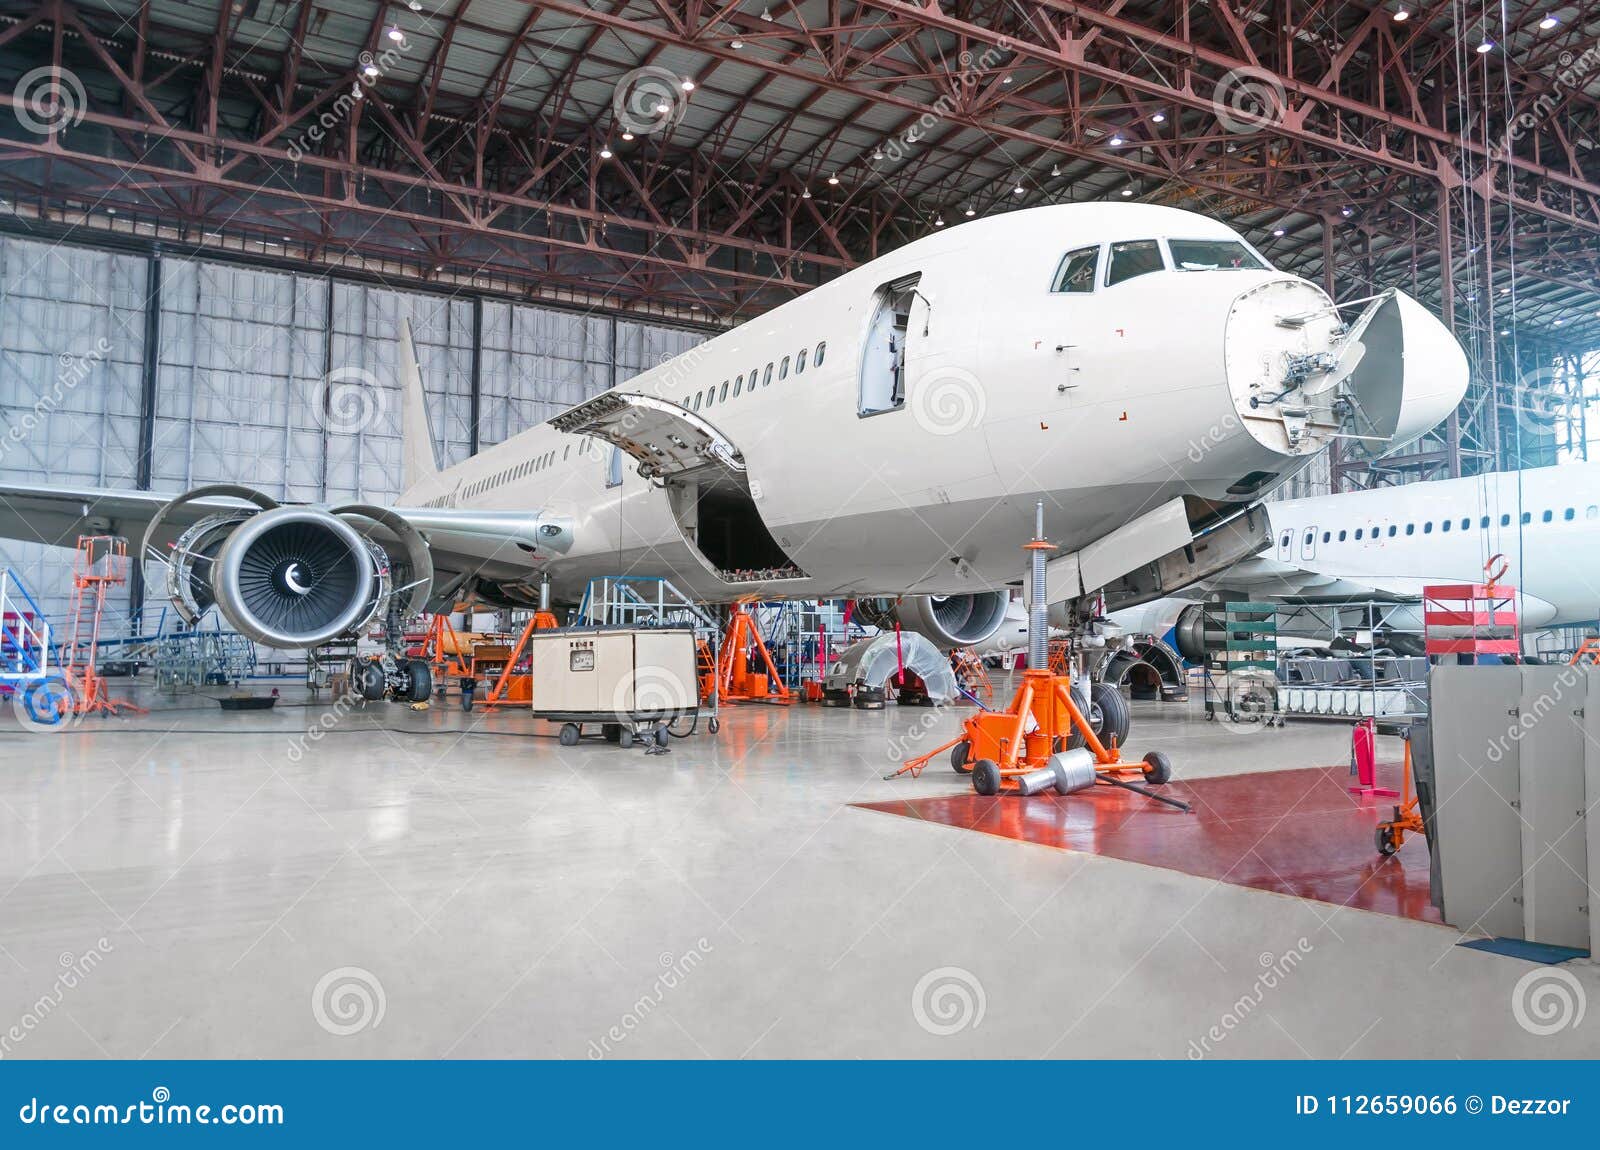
point(958, 758)
point(986, 777)
point(1385, 840)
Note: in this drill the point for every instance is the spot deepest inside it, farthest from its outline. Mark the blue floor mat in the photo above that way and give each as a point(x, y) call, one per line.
point(1528, 951)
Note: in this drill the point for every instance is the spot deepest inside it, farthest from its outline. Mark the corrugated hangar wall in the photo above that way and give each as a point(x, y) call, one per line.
point(284, 381)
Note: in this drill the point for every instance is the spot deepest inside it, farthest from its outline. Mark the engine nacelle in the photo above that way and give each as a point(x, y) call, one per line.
point(288, 577)
point(948, 621)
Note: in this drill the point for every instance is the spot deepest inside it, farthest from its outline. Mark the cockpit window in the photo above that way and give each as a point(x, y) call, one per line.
point(1211, 255)
point(1076, 273)
point(1133, 258)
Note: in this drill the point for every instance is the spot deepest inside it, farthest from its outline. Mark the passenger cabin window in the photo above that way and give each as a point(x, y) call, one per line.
point(883, 355)
point(783, 368)
point(822, 349)
point(1076, 273)
point(1133, 258)
point(766, 379)
point(800, 362)
point(1211, 255)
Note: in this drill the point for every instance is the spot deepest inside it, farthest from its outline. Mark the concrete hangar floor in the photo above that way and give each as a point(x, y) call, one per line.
point(436, 884)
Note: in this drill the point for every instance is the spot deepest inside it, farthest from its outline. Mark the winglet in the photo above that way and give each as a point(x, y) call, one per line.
point(417, 458)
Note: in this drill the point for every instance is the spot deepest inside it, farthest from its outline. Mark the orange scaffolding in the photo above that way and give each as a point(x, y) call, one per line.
point(100, 563)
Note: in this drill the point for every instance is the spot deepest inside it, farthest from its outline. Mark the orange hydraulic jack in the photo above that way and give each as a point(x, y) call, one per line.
point(999, 747)
point(1407, 816)
point(971, 673)
point(101, 563)
point(513, 686)
point(742, 645)
point(445, 652)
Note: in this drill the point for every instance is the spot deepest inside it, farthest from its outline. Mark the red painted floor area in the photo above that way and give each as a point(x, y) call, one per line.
point(1296, 832)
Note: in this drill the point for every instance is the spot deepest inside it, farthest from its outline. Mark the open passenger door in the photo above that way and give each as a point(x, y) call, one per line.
point(665, 438)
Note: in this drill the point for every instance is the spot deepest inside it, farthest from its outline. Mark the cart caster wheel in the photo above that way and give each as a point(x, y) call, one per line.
point(714, 725)
point(1385, 841)
point(986, 777)
point(958, 758)
point(611, 732)
point(662, 735)
point(1157, 768)
point(570, 734)
point(1211, 716)
point(624, 737)
point(467, 694)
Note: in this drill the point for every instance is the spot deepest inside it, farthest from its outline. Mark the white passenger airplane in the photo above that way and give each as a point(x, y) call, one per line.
point(1142, 369)
point(1539, 528)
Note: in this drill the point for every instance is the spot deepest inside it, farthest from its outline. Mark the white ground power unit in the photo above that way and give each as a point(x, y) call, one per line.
point(627, 681)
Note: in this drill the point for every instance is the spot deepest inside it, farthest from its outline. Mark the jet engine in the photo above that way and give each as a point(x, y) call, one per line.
point(289, 577)
point(948, 621)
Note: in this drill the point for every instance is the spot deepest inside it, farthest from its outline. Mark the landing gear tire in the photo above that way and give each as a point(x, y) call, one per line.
point(570, 734)
point(1157, 768)
point(1385, 840)
point(958, 758)
point(370, 681)
point(419, 681)
point(986, 777)
point(1114, 719)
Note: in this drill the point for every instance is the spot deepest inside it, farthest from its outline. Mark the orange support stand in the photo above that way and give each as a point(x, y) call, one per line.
point(100, 564)
point(1586, 655)
point(513, 686)
point(442, 647)
point(743, 646)
point(1407, 816)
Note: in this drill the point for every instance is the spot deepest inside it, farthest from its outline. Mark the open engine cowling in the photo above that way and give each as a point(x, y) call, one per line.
point(948, 621)
point(289, 577)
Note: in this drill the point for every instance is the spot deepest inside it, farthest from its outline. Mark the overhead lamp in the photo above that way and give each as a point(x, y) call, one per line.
point(1548, 23)
point(1505, 331)
point(1558, 322)
point(1019, 189)
point(414, 5)
point(1116, 141)
point(1486, 47)
point(805, 193)
point(938, 221)
point(605, 151)
point(369, 69)
point(1505, 291)
point(396, 35)
point(663, 109)
point(1402, 14)
point(1127, 191)
point(111, 211)
point(766, 14)
point(833, 180)
point(1006, 79)
point(971, 211)
point(736, 44)
point(687, 85)
point(1347, 211)
point(355, 90)
point(1055, 169)
point(1159, 118)
point(1277, 231)
point(627, 135)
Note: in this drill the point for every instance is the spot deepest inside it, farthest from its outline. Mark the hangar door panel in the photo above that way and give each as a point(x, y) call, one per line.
point(71, 355)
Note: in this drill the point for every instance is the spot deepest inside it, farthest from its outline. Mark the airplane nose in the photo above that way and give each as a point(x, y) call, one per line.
point(1300, 375)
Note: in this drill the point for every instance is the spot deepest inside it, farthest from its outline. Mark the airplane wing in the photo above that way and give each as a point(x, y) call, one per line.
point(463, 543)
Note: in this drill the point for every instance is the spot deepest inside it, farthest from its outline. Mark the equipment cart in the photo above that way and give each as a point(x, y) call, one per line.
point(626, 682)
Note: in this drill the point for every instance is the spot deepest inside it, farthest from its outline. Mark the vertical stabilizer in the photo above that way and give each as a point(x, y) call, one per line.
point(417, 458)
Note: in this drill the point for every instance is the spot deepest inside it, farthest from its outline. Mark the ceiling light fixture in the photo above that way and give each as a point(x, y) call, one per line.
point(1347, 211)
point(1116, 141)
point(605, 151)
point(833, 180)
point(971, 211)
point(736, 45)
point(663, 109)
point(1277, 231)
point(1019, 189)
point(1127, 191)
point(687, 85)
point(627, 135)
point(1548, 23)
point(396, 35)
point(938, 221)
point(805, 193)
point(1486, 47)
point(1159, 118)
point(1402, 14)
